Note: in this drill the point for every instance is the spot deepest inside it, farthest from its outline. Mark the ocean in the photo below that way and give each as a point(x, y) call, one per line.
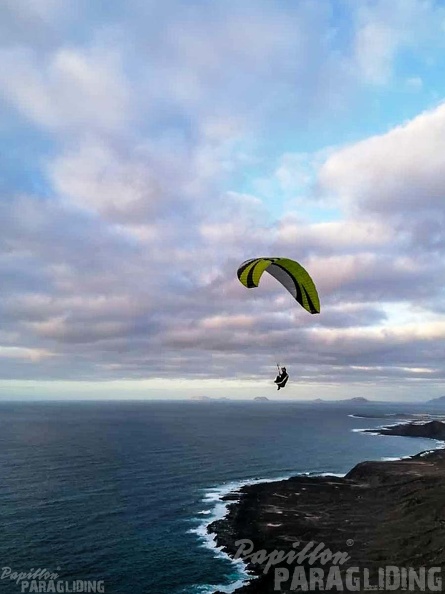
point(121, 492)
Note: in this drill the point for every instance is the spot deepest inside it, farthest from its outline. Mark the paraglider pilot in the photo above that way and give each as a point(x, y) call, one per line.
point(281, 378)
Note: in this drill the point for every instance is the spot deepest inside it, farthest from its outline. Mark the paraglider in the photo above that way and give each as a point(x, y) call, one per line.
point(289, 273)
point(282, 377)
point(293, 277)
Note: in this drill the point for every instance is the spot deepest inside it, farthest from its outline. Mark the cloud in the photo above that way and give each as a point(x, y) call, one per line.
point(121, 188)
point(415, 83)
point(46, 10)
point(233, 59)
point(398, 177)
point(34, 22)
point(385, 30)
point(33, 355)
point(172, 141)
point(344, 236)
point(71, 88)
point(376, 44)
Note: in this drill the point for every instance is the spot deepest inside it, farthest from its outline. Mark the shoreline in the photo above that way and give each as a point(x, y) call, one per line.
point(224, 496)
point(255, 513)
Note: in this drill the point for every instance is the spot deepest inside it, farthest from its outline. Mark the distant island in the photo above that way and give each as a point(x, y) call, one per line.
point(439, 400)
point(356, 400)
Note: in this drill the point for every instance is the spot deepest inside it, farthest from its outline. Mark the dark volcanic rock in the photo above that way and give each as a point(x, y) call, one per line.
point(381, 514)
point(430, 430)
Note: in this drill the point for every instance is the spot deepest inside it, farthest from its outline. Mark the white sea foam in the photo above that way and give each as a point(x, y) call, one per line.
point(209, 589)
point(440, 445)
point(218, 511)
point(426, 453)
point(220, 508)
point(383, 416)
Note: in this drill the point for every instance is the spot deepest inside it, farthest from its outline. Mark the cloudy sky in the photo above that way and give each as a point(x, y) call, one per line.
point(148, 148)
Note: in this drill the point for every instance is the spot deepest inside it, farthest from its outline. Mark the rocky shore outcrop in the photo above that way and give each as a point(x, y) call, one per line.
point(430, 430)
point(380, 514)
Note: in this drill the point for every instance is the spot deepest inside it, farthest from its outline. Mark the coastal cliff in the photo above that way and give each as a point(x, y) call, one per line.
point(380, 514)
point(430, 430)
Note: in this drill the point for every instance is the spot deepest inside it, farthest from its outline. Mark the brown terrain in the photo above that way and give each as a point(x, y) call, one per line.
point(380, 514)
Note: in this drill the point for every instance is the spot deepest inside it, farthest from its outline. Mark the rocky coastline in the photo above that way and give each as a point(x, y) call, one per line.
point(380, 514)
point(426, 429)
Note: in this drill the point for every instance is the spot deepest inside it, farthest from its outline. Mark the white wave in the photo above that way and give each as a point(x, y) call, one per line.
point(398, 423)
point(440, 445)
point(383, 416)
point(219, 511)
point(208, 539)
point(394, 458)
point(422, 454)
point(209, 589)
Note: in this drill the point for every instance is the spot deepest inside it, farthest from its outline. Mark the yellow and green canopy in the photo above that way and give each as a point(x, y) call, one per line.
point(289, 273)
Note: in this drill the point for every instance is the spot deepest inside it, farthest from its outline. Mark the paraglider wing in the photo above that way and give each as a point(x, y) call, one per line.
point(289, 273)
